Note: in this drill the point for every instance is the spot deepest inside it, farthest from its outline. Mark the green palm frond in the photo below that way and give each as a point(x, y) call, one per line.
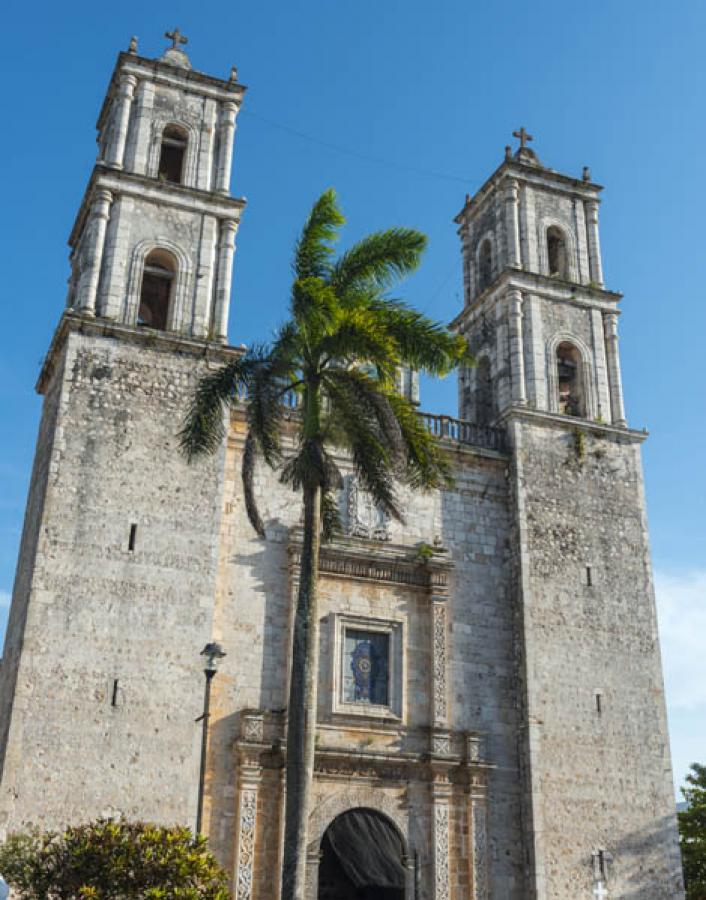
point(204, 425)
point(426, 466)
point(312, 255)
point(422, 343)
point(365, 397)
point(379, 259)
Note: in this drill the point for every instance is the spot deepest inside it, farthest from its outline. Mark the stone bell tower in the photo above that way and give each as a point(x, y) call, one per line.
point(101, 677)
point(598, 803)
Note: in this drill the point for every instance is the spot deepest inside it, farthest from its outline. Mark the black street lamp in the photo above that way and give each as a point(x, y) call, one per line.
point(212, 653)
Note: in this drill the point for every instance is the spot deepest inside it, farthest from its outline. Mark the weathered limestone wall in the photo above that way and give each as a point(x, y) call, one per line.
point(600, 778)
point(252, 621)
point(97, 612)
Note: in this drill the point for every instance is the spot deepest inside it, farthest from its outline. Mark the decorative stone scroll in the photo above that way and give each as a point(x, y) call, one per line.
point(439, 663)
point(480, 850)
point(246, 843)
point(365, 518)
point(441, 851)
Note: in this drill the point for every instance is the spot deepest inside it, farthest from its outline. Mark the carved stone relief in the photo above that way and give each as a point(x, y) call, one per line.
point(365, 518)
point(440, 704)
point(246, 848)
point(441, 851)
point(480, 852)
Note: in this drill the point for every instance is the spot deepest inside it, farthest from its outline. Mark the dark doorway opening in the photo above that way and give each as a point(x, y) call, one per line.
point(361, 858)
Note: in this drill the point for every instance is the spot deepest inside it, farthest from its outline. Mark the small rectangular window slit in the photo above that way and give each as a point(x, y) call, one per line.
point(599, 702)
point(114, 700)
point(133, 536)
point(589, 580)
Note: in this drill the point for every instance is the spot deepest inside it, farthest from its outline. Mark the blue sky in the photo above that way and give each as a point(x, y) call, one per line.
point(404, 107)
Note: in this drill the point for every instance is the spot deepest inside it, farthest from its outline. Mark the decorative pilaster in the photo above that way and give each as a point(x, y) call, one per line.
point(512, 223)
point(594, 247)
point(440, 711)
point(225, 156)
point(95, 238)
point(113, 286)
point(479, 843)
point(440, 839)
point(517, 352)
point(116, 151)
point(247, 831)
point(226, 249)
point(138, 148)
point(615, 384)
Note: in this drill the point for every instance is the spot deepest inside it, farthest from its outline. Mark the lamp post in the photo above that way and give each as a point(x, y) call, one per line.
point(212, 653)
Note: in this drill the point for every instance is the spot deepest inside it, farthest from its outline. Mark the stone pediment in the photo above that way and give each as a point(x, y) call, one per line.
point(417, 566)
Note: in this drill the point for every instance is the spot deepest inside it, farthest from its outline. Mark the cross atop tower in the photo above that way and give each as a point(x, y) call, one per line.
point(523, 137)
point(176, 37)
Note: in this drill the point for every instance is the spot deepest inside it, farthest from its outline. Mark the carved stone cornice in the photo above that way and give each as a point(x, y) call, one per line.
point(364, 560)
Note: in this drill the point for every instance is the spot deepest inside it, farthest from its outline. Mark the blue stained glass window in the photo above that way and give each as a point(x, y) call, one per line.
point(366, 667)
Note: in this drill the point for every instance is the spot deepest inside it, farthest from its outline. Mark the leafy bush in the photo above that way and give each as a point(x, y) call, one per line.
point(692, 833)
point(112, 860)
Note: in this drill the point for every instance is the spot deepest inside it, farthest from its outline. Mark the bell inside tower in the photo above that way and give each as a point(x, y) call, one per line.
point(155, 295)
point(568, 362)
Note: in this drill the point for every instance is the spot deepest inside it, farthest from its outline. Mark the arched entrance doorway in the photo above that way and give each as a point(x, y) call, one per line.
point(362, 858)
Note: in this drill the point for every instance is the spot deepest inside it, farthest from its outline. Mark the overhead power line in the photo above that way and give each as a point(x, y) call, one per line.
point(378, 160)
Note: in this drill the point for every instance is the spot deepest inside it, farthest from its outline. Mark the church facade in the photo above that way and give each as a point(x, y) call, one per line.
point(491, 704)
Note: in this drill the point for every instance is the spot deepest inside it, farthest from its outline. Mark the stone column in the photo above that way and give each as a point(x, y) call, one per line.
point(116, 151)
point(615, 384)
point(594, 247)
point(204, 325)
point(249, 779)
point(112, 301)
point(204, 171)
point(599, 356)
point(512, 223)
point(226, 249)
point(441, 821)
point(138, 147)
point(517, 350)
point(225, 153)
point(95, 237)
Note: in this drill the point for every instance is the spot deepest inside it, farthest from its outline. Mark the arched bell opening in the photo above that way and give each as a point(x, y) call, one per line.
point(172, 153)
point(362, 858)
point(156, 290)
point(571, 400)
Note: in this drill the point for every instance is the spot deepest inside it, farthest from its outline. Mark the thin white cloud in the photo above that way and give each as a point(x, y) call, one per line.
point(681, 606)
point(5, 598)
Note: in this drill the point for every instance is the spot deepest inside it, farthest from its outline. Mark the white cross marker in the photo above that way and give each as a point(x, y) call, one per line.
point(600, 891)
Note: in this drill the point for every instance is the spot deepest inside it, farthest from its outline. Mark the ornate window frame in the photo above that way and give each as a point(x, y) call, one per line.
point(395, 628)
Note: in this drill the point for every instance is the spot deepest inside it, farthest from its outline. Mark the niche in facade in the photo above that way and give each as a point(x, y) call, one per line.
point(484, 393)
point(485, 265)
point(171, 154)
point(156, 290)
point(569, 379)
point(556, 253)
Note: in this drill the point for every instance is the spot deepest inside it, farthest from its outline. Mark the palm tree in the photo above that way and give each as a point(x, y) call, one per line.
point(338, 355)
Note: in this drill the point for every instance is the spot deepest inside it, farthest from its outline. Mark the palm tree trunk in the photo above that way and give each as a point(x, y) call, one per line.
point(301, 717)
